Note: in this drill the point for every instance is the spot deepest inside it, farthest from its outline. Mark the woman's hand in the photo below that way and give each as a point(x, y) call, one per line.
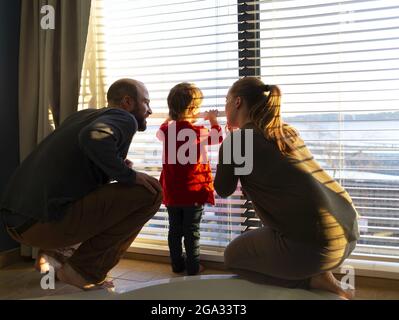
point(230, 128)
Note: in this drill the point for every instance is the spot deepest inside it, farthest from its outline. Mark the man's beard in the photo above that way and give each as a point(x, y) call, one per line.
point(141, 121)
point(142, 124)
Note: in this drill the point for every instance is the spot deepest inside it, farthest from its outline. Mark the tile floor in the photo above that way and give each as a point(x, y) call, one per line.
point(21, 281)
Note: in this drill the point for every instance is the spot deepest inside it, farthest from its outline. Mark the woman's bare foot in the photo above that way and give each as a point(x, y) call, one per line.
point(68, 275)
point(326, 281)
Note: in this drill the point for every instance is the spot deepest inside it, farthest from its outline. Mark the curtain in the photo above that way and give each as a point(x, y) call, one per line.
point(93, 85)
point(50, 65)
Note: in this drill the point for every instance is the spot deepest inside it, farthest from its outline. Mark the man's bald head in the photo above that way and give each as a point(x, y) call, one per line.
point(122, 88)
point(132, 96)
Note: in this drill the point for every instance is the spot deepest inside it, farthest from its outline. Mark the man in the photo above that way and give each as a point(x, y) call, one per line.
point(61, 194)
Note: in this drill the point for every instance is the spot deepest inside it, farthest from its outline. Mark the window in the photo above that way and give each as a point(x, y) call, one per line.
point(163, 43)
point(335, 61)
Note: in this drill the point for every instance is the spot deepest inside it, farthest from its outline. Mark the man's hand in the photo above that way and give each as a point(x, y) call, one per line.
point(148, 182)
point(129, 163)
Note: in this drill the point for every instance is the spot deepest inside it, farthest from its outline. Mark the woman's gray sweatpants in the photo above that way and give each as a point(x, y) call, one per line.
point(266, 256)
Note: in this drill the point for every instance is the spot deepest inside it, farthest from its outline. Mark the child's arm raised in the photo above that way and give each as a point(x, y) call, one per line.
point(212, 115)
point(215, 134)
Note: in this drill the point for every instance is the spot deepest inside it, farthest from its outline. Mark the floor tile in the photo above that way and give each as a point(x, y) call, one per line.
point(21, 281)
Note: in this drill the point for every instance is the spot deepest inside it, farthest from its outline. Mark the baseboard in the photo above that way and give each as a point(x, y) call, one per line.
point(146, 257)
point(165, 259)
point(10, 257)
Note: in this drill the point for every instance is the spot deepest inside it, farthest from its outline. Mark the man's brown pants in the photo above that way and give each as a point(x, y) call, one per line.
point(105, 222)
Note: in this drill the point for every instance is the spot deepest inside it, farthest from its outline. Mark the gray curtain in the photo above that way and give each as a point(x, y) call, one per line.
point(50, 67)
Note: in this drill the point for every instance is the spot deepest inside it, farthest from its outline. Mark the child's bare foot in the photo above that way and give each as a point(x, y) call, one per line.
point(68, 275)
point(326, 281)
point(201, 268)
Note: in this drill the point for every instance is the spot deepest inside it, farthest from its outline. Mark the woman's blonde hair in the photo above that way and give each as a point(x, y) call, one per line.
point(264, 106)
point(182, 97)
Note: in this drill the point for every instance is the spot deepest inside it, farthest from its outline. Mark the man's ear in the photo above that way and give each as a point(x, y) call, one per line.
point(238, 102)
point(128, 103)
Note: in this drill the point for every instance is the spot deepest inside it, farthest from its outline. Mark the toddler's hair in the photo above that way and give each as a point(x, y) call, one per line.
point(182, 97)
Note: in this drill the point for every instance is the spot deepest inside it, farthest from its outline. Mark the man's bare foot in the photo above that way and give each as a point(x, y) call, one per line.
point(69, 276)
point(326, 281)
point(55, 258)
point(44, 260)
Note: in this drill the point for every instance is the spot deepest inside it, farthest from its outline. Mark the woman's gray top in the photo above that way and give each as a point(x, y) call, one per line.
point(291, 194)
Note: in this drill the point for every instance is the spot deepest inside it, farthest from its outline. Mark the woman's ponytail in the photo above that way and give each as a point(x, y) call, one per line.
point(264, 106)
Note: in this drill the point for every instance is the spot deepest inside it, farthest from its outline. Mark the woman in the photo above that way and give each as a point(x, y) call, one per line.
point(310, 224)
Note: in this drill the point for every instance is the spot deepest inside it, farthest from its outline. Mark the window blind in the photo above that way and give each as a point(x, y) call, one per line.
point(337, 65)
point(162, 43)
